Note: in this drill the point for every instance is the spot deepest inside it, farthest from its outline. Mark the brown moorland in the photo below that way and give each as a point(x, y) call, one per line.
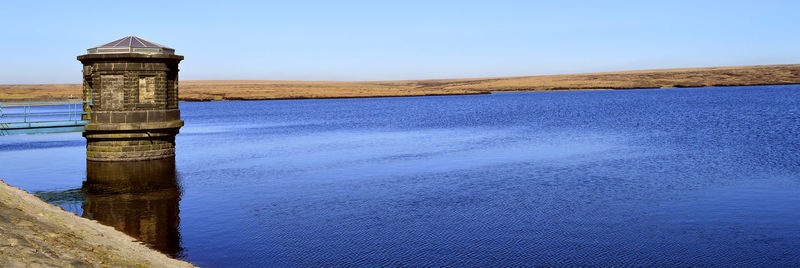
point(209, 90)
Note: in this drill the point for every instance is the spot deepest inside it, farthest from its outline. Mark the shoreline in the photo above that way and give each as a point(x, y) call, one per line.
point(225, 90)
point(467, 94)
point(401, 96)
point(334, 97)
point(34, 233)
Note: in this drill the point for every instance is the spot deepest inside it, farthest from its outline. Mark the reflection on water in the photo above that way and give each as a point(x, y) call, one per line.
point(138, 198)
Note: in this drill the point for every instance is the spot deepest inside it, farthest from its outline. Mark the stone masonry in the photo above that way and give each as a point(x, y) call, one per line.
point(134, 111)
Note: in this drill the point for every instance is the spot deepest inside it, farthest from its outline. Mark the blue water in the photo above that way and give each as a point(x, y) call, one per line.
point(666, 177)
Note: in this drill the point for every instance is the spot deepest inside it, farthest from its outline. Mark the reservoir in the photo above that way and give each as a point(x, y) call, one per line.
point(651, 177)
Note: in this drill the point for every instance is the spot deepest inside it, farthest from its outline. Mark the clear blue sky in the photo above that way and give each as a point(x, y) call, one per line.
point(386, 40)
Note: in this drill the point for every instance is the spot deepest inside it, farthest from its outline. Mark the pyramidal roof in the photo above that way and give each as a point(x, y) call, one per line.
point(131, 44)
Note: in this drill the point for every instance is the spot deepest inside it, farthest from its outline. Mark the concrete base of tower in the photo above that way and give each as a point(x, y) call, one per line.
point(131, 141)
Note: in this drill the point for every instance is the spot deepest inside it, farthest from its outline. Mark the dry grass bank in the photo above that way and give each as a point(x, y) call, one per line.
point(36, 234)
point(204, 90)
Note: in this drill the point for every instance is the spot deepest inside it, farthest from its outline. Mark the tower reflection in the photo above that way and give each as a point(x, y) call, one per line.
point(139, 198)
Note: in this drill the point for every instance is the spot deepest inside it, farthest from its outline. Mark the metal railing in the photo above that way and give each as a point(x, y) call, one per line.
point(27, 111)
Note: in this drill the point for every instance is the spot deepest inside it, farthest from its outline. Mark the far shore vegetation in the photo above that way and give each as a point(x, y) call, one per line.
point(211, 90)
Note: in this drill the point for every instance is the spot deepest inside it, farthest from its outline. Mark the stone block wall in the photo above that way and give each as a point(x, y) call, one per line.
point(106, 79)
point(131, 149)
point(134, 112)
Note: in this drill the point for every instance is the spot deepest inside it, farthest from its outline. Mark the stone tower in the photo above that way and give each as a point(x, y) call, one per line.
point(132, 86)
